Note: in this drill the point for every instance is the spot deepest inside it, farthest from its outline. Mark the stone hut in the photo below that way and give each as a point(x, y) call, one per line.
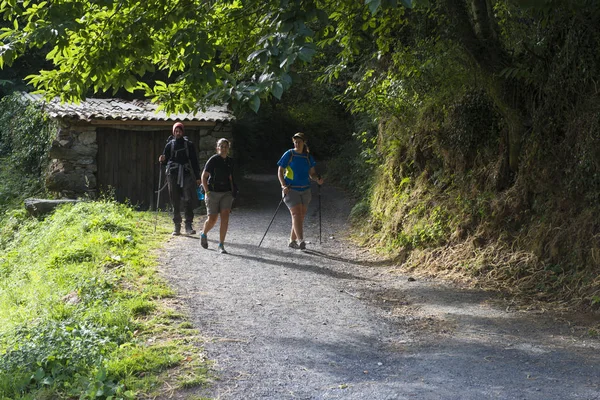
point(111, 147)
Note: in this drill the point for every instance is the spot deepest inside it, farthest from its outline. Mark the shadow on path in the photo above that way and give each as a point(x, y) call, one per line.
point(300, 266)
point(321, 324)
point(333, 257)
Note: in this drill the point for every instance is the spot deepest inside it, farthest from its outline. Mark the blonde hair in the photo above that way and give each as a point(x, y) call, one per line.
point(223, 140)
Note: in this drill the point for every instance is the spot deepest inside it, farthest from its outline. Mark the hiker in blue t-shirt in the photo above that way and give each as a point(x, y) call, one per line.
point(296, 169)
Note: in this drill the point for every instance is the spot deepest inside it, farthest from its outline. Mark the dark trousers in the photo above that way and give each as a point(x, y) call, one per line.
point(185, 196)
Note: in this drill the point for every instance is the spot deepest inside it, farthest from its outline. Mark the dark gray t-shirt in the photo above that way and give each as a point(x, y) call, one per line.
point(220, 169)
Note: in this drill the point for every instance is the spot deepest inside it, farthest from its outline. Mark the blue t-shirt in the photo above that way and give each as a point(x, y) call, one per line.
point(296, 170)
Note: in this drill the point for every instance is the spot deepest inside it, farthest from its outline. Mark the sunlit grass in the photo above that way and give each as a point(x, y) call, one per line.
point(83, 312)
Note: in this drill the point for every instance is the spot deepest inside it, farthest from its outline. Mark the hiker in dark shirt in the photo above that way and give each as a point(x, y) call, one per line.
point(183, 177)
point(219, 189)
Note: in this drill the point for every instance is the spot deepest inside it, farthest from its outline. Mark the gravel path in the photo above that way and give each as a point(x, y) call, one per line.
point(327, 323)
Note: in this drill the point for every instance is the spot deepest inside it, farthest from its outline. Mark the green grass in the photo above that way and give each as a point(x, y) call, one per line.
point(83, 312)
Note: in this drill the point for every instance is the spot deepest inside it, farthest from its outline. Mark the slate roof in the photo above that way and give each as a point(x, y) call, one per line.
point(124, 110)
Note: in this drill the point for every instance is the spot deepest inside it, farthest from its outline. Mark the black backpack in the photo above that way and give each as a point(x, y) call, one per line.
point(186, 141)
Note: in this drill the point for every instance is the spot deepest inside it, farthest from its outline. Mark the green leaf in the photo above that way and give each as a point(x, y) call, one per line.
point(286, 80)
point(130, 84)
point(101, 374)
point(286, 27)
point(277, 90)
point(237, 95)
point(6, 32)
point(39, 374)
point(264, 78)
point(306, 53)
point(255, 54)
point(7, 54)
point(373, 5)
point(254, 103)
point(288, 61)
point(47, 381)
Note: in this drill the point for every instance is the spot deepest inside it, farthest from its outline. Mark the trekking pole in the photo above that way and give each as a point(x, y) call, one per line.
point(319, 212)
point(158, 195)
point(272, 219)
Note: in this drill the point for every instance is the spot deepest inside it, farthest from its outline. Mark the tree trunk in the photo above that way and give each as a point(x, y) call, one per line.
point(476, 30)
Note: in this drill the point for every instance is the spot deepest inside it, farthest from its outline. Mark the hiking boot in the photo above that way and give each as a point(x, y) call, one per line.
point(302, 245)
point(292, 244)
point(203, 240)
point(188, 229)
point(222, 249)
point(177, 230)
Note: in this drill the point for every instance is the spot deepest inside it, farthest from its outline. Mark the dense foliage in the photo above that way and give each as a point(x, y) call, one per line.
point(198, 45)
point(25, 134)
point(25, 138)
point(487, 150)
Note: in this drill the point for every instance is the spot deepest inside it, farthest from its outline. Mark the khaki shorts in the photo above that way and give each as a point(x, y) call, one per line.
point(295, 197)
point(217, 202)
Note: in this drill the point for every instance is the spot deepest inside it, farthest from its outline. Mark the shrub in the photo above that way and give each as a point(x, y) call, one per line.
point(25, 135)
point(25, 138)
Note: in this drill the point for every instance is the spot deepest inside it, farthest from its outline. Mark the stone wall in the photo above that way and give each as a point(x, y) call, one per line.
point(73, 155)
point(72, 169)
point(208, 140)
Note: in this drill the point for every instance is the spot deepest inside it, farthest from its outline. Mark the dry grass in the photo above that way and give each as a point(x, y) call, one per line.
point(518, 274)
point(533, 234)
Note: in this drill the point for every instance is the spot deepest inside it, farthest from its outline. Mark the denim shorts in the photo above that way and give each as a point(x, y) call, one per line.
point(295, 197)
point(217, 202)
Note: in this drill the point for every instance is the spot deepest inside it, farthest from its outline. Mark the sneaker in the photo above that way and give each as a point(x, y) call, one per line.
point(189, 230)
point(222, 249)
point(302, 245)
point(203, 240)
point(293, 244)
point(177, 230)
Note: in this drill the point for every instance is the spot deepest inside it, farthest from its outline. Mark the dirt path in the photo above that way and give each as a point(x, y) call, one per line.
point(328, 324)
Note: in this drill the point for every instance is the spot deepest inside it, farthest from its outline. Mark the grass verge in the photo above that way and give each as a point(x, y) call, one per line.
point(83, 311)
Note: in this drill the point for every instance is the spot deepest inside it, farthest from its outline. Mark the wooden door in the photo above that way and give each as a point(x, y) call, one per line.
point(128, 165)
